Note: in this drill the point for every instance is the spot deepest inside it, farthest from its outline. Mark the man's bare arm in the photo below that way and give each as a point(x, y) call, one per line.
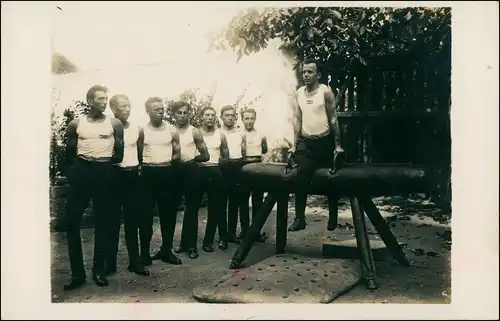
point(202, 147)
point(243, 145)
point(72, 140)
point(332, 117)
point(297, 120)
point(264, 144)
point(140, 145)
point(176, 147)
point(119, 144)
point(224, 149)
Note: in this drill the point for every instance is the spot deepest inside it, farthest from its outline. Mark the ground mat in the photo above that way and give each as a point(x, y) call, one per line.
point(284, 278)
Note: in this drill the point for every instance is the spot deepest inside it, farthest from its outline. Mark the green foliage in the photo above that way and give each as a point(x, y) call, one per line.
point(199, 103)
point(58, 164)
point(341, 38)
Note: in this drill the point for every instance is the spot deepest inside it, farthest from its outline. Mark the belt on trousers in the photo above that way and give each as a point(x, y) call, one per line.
point(157, 165)
point(88, 159)
point(315, 137)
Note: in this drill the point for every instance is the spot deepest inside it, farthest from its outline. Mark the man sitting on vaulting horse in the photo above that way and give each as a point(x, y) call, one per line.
point(317, 140)
point(317, 147)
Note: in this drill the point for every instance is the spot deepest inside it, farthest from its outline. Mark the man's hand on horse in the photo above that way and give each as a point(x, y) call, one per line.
point(338, 159)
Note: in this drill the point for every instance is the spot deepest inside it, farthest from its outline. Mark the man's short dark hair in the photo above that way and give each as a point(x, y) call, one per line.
point(114, 100)
point(174, 107)
point(249, 110)
point(152, 100)
point(226, 108)
point(311, 60)
point(204, 109)
point(91, 92)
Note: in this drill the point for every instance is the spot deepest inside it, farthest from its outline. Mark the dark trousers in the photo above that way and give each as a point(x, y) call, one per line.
point(128, 200)
point(310, 155)
point(257, 200)
point(189, 179)
point(233, 194)
point(90, 180)
point(211, 182)
point(160, 187)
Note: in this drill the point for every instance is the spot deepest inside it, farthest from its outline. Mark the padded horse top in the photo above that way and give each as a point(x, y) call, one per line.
point(351, 179)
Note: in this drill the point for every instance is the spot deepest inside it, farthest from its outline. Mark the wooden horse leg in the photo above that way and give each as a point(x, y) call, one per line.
point(281, 223)
point(383, 230)
point(363, 243)
point(333, 212)
point(254, 231)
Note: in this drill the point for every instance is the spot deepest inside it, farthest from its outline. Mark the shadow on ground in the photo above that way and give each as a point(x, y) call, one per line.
point(426, 243)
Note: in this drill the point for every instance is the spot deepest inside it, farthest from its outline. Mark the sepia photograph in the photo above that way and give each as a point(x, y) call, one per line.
point(254, 154)
point(231, 156)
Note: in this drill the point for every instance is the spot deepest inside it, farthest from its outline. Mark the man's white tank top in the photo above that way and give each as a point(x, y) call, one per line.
point(157, 146)
point(188, 146)
point(130, 137)
point(253, 143)
point(213, 142)
point(314, 118)
point(234, 142)
point(95, 140)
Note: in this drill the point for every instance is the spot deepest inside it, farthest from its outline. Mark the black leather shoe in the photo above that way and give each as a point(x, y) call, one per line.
point(297, 225)
point(193, 254)
point(223, 245)
point(233, 239)
point(75, 283)
point(169, 257)
point(180, 249)
point(208, 248)
point(100, 280)
point(138, 269)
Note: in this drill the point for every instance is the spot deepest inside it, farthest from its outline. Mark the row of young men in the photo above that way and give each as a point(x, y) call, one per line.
point(130, 169)
point(172, 161)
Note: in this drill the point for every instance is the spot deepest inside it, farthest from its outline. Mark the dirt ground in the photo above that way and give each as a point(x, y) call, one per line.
point(423, 230)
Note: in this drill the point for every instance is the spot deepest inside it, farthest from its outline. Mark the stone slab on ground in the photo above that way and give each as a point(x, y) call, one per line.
point(284, 278)
point(344, 246)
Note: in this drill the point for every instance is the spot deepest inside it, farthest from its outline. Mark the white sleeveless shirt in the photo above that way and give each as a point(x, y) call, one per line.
point(314, 118)
point(188, 146)
point(157, 146)
point(213, 142)
point(95, 140)
point(130, 138)
point(253, 143)
point(234, 142)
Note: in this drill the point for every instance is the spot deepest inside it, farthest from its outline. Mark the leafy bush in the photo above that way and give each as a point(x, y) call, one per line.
point(58, 164)
point(342, 37)
point(199, 103)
